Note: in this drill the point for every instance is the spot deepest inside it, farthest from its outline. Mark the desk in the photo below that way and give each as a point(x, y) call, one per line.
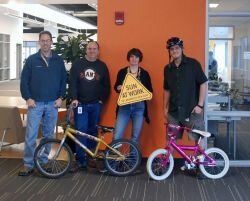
point(61, 114)
point(11, 101)
point(219, 98)
point(229, 116)
point(21, 104)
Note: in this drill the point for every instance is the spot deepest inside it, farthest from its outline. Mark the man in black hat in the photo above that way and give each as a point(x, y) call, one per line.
point(184, 89)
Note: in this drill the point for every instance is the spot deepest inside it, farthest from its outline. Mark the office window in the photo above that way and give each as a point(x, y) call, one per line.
point(4, 57)
point(29, 48)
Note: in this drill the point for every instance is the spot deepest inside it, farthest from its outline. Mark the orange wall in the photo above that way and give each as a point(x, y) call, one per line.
point(148, 24)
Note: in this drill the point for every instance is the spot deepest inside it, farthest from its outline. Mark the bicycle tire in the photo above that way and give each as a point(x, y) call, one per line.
point(48, 164)
point(122, 166)
point(220, 169)
point(159, 167)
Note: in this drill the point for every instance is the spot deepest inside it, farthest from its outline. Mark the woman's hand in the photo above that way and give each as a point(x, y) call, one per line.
point(119, 87)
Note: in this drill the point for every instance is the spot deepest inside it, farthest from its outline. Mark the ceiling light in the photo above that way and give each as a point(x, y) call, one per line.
point(85, 14)
point(93, 5)
point(213, 5)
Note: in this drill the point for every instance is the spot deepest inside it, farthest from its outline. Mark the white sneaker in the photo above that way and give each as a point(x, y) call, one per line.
point(183, 168)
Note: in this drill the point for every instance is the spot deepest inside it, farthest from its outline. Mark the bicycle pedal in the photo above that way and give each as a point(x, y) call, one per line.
point(200, 157)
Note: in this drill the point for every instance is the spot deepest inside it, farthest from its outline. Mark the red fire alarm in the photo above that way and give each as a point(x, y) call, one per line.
point(119, 17)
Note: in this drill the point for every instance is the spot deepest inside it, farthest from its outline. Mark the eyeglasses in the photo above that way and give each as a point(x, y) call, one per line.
point(44, 41)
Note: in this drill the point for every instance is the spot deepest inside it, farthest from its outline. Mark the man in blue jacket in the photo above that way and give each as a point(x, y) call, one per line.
point(43, 85)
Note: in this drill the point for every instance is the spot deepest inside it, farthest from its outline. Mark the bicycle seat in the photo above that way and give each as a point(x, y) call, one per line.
point(105, 129)
point(202, 133)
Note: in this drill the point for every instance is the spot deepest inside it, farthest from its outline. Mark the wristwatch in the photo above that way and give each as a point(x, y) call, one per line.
point(200, 106)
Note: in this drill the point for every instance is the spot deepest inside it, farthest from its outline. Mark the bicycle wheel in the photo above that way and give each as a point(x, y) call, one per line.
point(221, 166)
point(125, 164)
point(52, 159)
point(159, 165)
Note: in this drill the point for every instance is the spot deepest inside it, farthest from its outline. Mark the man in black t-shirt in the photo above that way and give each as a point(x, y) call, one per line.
point(89, 89)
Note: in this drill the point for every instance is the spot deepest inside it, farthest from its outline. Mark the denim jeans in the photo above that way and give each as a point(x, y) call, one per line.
point(86, 118)
point(45, 114)
point(134, 112)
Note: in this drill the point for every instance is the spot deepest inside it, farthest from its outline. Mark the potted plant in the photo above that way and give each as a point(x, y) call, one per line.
point(70, 48)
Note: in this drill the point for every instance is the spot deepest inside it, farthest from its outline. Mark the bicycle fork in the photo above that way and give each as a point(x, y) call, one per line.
point(59, 148)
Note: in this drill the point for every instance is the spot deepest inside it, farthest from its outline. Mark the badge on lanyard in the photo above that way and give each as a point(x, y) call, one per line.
point(79, 110)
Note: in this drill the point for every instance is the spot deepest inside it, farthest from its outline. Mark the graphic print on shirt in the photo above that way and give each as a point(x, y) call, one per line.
point(89, 75)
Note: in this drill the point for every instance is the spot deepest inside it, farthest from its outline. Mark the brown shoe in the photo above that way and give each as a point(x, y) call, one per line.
point(92, 163)
point(77, 167)
point(25, 171)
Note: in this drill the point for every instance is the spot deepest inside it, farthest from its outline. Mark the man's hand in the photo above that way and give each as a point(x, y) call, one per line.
point(197, 110)
point(58, 102)
point(31, 103)
point(74, 103)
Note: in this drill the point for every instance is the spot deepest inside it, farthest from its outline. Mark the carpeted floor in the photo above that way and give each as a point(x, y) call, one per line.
point(92, 186)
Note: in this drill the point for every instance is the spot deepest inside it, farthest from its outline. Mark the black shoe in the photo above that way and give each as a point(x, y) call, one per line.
point(103, 170)
point(138, 171)
point(92, 163)
point(77, 167)
point(200, 176)
point(25, 171)
point(101, 166)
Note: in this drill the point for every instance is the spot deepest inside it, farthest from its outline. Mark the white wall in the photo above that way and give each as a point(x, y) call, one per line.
point(13, 27)
point(30, 37)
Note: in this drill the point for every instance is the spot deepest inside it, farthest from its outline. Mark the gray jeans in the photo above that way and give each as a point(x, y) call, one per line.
point(195, 121)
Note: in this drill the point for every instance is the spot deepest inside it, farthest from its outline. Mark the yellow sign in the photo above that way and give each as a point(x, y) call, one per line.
point(133, 91)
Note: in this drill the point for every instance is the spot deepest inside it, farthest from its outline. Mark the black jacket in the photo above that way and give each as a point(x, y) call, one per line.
point(145, 80)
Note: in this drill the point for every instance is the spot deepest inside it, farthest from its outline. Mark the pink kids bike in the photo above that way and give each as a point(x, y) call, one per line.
point(213, 162)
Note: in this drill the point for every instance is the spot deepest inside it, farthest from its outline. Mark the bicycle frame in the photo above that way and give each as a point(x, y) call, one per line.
point(70, 132)
point(196, 149)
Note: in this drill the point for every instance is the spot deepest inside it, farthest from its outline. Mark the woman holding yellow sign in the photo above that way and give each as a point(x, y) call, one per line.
point(133, 92)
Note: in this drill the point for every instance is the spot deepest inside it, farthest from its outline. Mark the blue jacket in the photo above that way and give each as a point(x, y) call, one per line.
point(41, 81)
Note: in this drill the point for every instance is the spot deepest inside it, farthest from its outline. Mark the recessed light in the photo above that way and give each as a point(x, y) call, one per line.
point(213, 5)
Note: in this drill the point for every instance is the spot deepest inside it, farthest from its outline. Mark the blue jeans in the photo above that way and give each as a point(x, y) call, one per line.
point(134, 112)
point(45, 114)
point(86, 118)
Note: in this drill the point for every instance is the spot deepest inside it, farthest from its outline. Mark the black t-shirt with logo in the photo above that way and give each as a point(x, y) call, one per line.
point(89, 81)
point(183, 83)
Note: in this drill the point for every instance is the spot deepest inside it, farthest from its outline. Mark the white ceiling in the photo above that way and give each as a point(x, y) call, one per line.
point(231, 6)
point(229, 12)
point(225, 5)
point(220, 15)
point(50, 1)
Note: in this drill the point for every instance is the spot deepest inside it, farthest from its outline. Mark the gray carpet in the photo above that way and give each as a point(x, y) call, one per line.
point(92, 186)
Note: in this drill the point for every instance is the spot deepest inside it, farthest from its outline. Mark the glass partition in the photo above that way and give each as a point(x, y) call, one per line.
point(228, 100)
point(4, 57)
